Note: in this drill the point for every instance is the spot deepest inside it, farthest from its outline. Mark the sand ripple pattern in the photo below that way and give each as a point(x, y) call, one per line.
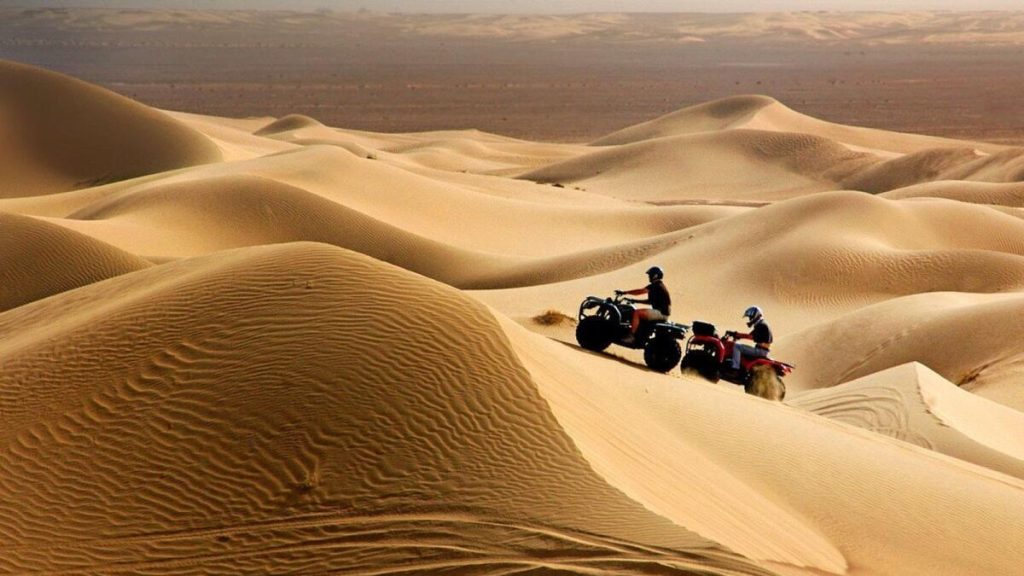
point(41, 259)
point(399, 544)
point(879, 409)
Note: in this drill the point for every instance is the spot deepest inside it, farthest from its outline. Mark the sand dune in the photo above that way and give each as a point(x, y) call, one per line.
point(233, 211)
point(746, 164)
point(60, 133)
point(289, 123)
point(729, 113)
point(311, 416)
point(757, 112)
point(970, 339)
point(42, 259)
point(245, 204)
point(914, 168)
point(234, 137)
point(1006, 166)
point(259, 345)
point(998, 194)
point(914, 404)
point(754, 147)
point(811, 260)
point(454, 151)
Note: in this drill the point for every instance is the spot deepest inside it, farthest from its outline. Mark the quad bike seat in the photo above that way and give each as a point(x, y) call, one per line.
point(703, 328)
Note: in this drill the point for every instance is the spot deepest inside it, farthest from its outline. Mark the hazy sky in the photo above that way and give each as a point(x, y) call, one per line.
point(549, 6)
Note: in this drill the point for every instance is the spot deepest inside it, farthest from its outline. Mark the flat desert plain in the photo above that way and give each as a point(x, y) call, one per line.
point(570, 78)
point(295, 343)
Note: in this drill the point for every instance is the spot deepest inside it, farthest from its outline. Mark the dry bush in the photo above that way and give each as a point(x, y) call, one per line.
point(553, 318)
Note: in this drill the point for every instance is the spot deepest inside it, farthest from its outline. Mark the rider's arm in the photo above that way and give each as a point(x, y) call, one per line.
point(636, 292)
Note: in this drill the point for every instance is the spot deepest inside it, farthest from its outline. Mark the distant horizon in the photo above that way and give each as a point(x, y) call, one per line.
point(537, 6)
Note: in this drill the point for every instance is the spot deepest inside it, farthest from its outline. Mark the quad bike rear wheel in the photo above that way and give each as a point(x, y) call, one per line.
point(595, 333)
point(766, 383)
point(701, 362)
point(662, 353)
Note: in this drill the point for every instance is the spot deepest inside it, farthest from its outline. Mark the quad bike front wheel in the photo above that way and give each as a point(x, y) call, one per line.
point(595, 333)
point(662, 353)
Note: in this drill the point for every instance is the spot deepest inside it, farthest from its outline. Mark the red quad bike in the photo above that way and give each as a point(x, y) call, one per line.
point(606, 321)
point(711, 356)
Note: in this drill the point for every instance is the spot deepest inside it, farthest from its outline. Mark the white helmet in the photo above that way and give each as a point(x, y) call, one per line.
point(753, 315)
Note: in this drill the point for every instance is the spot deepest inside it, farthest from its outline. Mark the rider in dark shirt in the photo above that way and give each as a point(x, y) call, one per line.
point(761, 334)
point(657, 296)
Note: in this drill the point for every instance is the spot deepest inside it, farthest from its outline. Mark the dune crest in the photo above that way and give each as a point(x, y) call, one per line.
point(288, 123)
point(724, 114)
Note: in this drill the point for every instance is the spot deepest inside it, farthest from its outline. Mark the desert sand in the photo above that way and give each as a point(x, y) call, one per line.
point(271, 345)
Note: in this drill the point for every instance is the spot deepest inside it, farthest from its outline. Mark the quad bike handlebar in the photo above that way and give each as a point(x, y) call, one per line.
point(611, 305)
point(621, 297)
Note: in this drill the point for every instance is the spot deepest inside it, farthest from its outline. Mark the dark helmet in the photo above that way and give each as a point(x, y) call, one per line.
point(753, 315)
point(655, 273)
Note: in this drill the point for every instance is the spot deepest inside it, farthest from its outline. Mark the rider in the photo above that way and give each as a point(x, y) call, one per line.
point(657, 297)
point(761, 335)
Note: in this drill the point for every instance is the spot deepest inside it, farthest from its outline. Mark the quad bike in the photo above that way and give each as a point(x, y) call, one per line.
point(606, 321)
point(711, 355)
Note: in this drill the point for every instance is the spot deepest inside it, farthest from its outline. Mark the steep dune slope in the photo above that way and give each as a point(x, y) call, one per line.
point(41, 259)
point(59, 133)
point(853, 501)
point(300, 422)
